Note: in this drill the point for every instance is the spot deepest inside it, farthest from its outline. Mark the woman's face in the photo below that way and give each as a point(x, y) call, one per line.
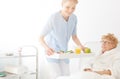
point(68, 8)
point(107, 45)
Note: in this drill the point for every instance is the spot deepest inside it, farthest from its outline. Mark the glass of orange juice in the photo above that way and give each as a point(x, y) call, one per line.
point(77, 50)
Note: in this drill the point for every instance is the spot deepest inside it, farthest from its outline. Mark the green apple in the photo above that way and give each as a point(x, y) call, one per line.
point(87, 50)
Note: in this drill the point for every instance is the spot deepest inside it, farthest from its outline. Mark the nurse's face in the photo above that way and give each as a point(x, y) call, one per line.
point(68, 7)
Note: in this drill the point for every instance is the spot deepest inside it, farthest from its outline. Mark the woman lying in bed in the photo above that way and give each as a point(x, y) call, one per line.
point(106, 65)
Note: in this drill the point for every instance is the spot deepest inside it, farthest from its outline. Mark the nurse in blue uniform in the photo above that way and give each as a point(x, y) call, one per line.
point(55, 36)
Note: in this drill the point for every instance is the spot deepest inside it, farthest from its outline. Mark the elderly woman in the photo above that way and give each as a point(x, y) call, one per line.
point(106, 65)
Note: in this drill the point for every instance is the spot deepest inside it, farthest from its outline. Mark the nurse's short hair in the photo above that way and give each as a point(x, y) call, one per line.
point(76, 1)
point(110, 37)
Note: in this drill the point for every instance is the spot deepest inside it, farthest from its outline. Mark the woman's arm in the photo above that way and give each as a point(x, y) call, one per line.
point(104, 72)
point(49, 51)
point(77, 42)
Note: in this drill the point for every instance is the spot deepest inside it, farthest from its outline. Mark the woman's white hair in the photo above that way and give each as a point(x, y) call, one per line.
point(111, 38)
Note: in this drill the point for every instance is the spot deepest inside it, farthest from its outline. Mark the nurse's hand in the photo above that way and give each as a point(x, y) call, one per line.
point(83, 48)
point(49, 51)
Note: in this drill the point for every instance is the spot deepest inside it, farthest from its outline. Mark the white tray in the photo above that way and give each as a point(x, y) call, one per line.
point(70, 55)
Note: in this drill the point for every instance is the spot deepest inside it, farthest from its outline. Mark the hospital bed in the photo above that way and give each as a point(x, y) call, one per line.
point(95, 46)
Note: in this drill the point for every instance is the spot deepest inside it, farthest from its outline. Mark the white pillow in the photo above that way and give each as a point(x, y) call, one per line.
point(95, 46)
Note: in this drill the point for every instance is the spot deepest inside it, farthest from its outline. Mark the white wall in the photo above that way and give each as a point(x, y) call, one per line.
point(21, 21)
point(98, 17)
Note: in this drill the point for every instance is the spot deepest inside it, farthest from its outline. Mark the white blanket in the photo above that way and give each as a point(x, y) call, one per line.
point(110, 60)
point(86, 75)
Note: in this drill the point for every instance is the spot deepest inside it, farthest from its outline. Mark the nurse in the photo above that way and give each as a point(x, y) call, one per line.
point(55, 36)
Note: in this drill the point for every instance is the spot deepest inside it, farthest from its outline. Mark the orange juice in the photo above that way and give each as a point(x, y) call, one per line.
point(77, 50)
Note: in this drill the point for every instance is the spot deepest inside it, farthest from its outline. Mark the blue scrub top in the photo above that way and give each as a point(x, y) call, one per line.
point(58, 31)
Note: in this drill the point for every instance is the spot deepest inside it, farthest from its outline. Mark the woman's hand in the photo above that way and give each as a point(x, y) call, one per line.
point(49, 51)
point(104, 72)
point(88, 69)
point(83, 48)
point(78, 43)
